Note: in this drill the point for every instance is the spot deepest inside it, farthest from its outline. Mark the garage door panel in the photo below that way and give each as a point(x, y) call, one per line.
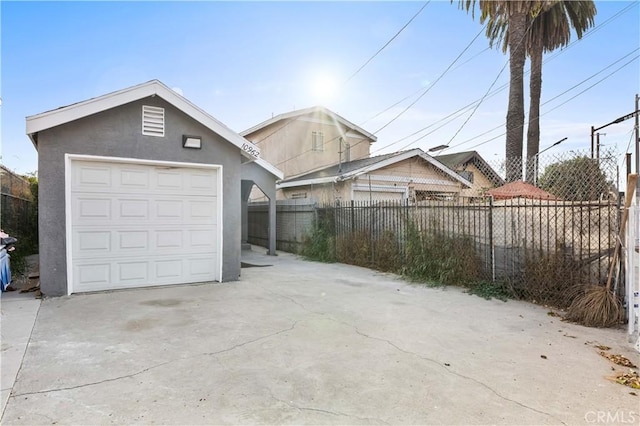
point(201, 209)
point(168, 180)
point(199, 267)
point(93, 275)
point(129, 177)
point(93, 242)
point(92, 208)
point(132, 272)
point(132, 209)
point(169, 270)
point(202, 181)
point(118, 243)
point(169, 239)
point(142, 225)
point(132, 240)
point(169, 209)
point(91, 176)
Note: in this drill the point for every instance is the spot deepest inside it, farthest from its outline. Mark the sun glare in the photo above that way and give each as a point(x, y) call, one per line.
point(324, 87)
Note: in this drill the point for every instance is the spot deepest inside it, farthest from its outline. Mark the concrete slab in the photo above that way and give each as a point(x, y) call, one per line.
point(18, 316)
point(308, 343)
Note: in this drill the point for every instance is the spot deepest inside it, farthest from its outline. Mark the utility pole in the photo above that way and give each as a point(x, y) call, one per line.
point(616, 121)
point(637, 145)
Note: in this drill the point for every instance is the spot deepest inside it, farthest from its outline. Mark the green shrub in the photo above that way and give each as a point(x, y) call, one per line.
point(441, 258)
point(319, 244)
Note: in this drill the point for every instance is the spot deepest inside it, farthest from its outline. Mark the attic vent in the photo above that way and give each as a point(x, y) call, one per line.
point(152, 121)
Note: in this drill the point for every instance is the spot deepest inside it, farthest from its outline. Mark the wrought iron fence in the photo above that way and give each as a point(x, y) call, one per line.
point(542, 240)
point(539, 250)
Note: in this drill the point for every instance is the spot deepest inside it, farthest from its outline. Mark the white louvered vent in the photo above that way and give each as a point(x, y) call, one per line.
point(152, 121)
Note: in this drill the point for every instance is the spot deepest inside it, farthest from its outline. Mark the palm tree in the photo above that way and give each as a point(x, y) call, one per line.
point(517, 15)
point(550, 29)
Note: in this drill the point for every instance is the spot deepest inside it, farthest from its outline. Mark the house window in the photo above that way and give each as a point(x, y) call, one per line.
point(467, 175)
point(317, 141)
point(298, 195)
point(152, 121)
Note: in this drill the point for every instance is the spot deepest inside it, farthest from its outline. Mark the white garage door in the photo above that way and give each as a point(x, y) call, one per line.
point(135, 225)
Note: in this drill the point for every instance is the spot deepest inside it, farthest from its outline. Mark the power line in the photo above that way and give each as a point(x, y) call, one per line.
point(434, 83)
point(499, 89)
point(460, 111)
point(555, 97)
point(421, 89)
point(571, 98)
point(425, 91)
point(387, 43)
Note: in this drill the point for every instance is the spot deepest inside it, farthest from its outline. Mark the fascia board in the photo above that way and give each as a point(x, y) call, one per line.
point(305, 182)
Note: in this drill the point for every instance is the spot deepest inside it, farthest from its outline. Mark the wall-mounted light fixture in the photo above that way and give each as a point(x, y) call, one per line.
point(194, 142)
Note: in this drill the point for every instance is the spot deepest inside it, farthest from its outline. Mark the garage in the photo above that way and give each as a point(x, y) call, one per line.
point(140, 188)
point(134, 224)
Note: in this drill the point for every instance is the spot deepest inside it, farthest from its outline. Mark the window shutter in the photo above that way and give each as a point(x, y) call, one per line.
point(152, 121)
point(317, 141)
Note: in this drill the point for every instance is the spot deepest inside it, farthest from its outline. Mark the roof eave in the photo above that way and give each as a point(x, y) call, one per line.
point(46, 120)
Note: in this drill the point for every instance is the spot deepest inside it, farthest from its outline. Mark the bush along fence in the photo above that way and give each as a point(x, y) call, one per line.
point(544, 251)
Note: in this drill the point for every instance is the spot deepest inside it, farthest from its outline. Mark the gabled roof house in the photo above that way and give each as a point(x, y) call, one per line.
point(309, 139)
point(471, 166)
point(406, 175)
point(140, 187)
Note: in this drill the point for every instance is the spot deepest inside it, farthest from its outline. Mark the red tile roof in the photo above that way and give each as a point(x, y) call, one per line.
point(520, 189)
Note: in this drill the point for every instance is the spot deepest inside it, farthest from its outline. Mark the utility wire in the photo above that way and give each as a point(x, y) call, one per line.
point(554, 98)
point(434, 83)
point(463, 109)
point(424, 92)
point(573, 97)
point(421, 89)
point(504, 86)
point(387, 43)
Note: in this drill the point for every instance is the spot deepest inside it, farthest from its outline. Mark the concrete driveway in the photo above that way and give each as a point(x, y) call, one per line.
point(309, 343)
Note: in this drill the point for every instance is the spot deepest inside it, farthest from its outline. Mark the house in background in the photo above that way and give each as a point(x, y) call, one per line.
point(140, 187)
point(471, 166)
point(409, 175)
point(306, 140)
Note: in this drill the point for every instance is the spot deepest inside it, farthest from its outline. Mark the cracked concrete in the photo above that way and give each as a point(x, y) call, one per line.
point(310, 343)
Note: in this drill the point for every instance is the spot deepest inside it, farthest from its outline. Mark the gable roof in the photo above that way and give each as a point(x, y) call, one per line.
point(351, 169)
point(300, 112)
point(461, 158)
point(46, 120)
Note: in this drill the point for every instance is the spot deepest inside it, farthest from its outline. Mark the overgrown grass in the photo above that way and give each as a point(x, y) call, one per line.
point(441, 258)
point(319, 245)
point(551, 278)
point(491, 290)
point(431, 258)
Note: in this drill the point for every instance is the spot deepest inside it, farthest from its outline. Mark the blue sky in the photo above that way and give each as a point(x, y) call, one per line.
point(245, 61)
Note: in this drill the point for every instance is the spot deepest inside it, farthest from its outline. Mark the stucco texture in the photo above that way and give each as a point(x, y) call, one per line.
point(117, 133)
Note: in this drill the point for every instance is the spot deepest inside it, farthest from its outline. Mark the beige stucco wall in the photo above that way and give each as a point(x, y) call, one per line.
point(397, 181)
point(480, 182)
point(323, 193)
point(288, 144)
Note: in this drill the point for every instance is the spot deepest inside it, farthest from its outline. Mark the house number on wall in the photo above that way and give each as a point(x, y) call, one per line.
point(251, 150)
